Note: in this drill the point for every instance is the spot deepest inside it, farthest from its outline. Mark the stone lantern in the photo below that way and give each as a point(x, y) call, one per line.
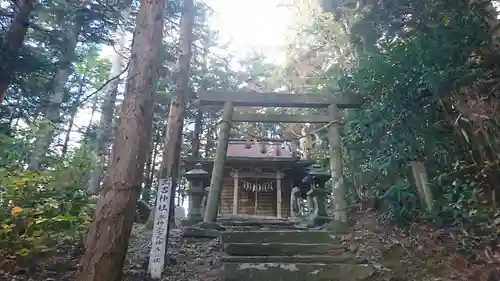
point(198, 179)
point(317, 178)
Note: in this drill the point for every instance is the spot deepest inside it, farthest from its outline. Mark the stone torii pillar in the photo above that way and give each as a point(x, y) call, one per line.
point(336, 164)
point(215, 190)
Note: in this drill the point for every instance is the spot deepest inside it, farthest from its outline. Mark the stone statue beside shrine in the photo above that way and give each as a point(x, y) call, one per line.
point(294, 202)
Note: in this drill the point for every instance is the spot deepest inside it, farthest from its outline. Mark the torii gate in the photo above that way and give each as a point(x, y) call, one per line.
point(253, 99)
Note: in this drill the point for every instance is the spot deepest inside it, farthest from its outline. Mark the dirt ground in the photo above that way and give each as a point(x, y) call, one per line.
point(422, 253)
point(415, 254)
point(191, 259)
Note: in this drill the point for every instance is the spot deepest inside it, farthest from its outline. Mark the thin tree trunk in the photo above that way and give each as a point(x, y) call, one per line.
point(109, 231)
point(491, 18)
point(53, 111)
point(198, 124)
point(148, 186)
point(16, 124)
point(198, 127)
point(150, 222)
point(173, 138)
point(209, 144)
point(13, 43)
point(105, 129)
point(91, 120)
point(74, 111)
point(173, 132)
point(146, 190)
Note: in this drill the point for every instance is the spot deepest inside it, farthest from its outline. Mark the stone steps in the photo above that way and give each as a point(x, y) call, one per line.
point(284, 252)
point(294, 259)
point(279, 236)
point(265, 228)
point(282, 249)
point(275, 271)
point(275, 223)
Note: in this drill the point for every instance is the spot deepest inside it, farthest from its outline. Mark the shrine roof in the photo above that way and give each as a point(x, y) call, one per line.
point(243, 161)
point(237, 148)
point(238, 155)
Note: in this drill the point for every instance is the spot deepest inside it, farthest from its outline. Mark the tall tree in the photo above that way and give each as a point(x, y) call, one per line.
point(105, 127)
point(109, 232)
point(9, 50)
point(198, 122)
point(52, 112)
point(175, 123)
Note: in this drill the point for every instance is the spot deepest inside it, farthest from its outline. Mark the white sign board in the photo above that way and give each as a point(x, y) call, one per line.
point(159, 244)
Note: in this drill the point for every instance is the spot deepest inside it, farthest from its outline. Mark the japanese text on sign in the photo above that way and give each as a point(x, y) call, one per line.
point(158, 245)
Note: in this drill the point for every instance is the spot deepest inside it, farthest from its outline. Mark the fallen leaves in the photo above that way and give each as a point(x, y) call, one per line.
point(189, 259)
point(427, 253)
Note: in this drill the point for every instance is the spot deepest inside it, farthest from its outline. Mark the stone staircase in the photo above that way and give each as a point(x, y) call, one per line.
point(279, 250)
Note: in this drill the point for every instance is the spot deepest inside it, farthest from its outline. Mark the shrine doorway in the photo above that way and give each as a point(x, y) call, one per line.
point(258, 197)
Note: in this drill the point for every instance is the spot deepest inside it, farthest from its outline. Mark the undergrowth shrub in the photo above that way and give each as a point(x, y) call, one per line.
point(40, 209)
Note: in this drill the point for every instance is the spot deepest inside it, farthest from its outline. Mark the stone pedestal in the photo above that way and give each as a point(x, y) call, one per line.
point(317, 177)
point(195, 215)
point(310, 204)
point(319, 216)
point(294, 204)
point(197, 179)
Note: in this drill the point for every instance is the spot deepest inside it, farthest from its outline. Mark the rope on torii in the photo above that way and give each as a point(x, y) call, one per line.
point(284, 139)
point(307, 140)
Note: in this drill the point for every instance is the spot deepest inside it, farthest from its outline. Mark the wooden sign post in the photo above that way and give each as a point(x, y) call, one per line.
point(160, 228)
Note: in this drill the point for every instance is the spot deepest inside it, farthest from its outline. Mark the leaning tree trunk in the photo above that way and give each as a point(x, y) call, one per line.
point(53, 111)
point(109, 231)
point(104, 131)
point(150, 171)
point(491, 18)
point(209, 145)
point(93, 109)
point(71, 123)
point(13, 42)
point(73, 111)
point(173, 136)
point(198, 123)
point(198, 127)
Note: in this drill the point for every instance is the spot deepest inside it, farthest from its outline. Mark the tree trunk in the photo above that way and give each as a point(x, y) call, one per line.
point(146, 190)
point(148, 186)
point(209, 145)
point(105, 128)
point(74, 111)
point(53, 111)
point(422, 184)
point(198, 127)
point(491, 18)
point(86, 134)
point(109, 231)
point(13, 42)
point(173, 138)
point(198, 124)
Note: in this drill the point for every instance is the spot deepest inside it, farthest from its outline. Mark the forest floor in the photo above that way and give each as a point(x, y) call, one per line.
point(191, 260)
point(423, 253)
point(415, 254)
